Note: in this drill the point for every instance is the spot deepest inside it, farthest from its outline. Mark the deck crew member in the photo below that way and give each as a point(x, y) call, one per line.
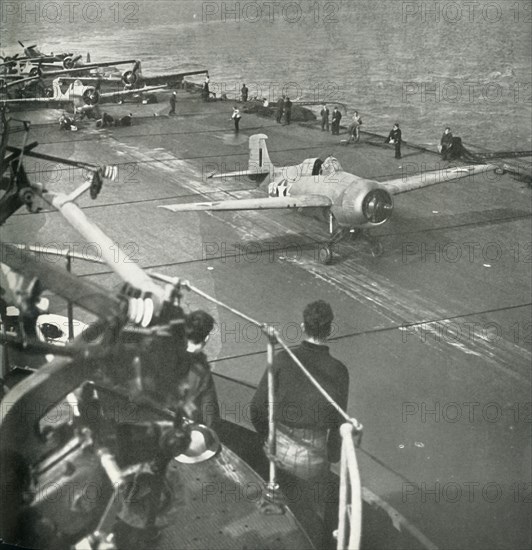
point(206, 91)
point(394, 137)
point(125, 120)
point(244, 91)
point(287, 110)
point(199, 382)
point(173, 100)
point(324, 113)
point(236, 118)
point(280, 106)
point(307, 434)
point(335, 122)
point(446, 143)
point(354, 128)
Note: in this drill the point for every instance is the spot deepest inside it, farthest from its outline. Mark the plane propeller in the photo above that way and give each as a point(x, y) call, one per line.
point(130, 77)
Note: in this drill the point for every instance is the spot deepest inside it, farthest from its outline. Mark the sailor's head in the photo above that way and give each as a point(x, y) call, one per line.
point(447, 130)
point(174, 93)
point(317, 320)
point(396, 125)
point(198, 326)
point(356, 112)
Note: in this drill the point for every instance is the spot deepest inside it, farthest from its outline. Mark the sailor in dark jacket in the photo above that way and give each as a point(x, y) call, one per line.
point(324, 118)
point(287, 110)
point(280, 108)
point(395, 138)
point(446, 143)
point(335, 122)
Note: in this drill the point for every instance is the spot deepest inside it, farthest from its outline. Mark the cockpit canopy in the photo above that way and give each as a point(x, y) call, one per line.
point(330, 166)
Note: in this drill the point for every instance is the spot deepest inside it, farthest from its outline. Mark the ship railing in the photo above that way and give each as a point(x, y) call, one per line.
point(350, 495)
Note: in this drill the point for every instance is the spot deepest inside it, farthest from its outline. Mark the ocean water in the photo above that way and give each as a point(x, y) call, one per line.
point(424, 64)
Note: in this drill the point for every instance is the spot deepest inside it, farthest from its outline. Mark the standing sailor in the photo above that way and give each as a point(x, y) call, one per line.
point(394, 137)
point(324, 118)
point(173, 99)
point(236, 118)
point(335, 122)
point(446, 143)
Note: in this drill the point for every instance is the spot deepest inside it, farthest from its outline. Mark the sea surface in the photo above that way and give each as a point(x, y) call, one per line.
point(425, 65)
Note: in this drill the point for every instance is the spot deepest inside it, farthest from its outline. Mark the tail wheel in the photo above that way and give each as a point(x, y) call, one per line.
point(36, 71)
point(377, 249)
point(325, 255)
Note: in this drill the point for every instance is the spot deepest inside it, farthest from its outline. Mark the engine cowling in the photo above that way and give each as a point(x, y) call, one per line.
point(364, 205)
point(70, 62)
point(90, 96)
point(131, 76)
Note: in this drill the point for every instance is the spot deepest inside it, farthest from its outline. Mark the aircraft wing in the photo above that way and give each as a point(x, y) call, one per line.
point(125, 93)
point(268, 203)
point(424, 179)
point(240, 173)
point(35, 101)
point(172, 79)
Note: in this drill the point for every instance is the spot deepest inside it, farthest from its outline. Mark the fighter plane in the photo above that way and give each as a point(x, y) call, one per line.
point(31, 52)
point(76, 95)
point(29, 72)
point(134, 78)
point(351, 203)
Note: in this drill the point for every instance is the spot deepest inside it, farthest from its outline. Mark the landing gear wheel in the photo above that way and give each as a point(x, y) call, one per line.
point(325, 255)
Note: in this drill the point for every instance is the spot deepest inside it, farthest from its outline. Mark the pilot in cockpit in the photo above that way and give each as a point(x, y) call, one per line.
point(330, 166)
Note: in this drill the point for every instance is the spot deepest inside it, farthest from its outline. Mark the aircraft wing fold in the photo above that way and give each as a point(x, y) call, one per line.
point(304, 201)
point(444, 175)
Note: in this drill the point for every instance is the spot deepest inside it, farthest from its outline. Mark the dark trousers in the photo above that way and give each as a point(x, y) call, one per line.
point(325, 124)
point(279, 115)
point(237, 122)
point(314, 503)
point(288, 116)
point(397, 145)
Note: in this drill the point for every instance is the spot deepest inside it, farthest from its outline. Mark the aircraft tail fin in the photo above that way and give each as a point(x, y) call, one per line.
point(259, 164)
point(259, 159)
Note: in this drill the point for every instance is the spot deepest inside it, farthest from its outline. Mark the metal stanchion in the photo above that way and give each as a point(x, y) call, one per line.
point(70, 306)
point(272, 501)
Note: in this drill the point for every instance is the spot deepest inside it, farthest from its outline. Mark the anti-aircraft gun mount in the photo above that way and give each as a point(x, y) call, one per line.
point(107, 411)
